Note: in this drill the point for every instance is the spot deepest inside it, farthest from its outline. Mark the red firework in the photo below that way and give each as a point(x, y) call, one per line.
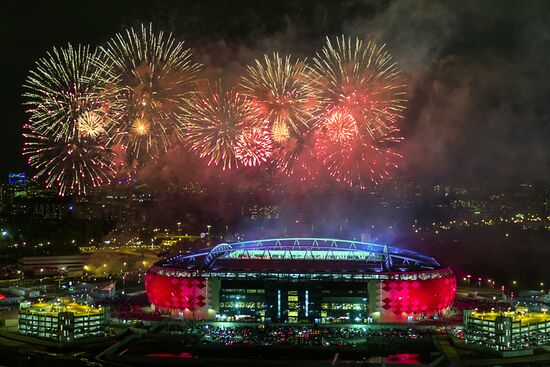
point(357, 163)
point(348, 157)
point(340, 126)
point(253, 146)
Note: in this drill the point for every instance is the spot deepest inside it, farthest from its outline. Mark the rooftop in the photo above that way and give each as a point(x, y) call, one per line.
point(306, 254)
point(525, 318)
point(53, 309)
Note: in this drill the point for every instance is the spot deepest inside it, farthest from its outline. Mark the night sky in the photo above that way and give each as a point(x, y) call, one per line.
point(479, 71)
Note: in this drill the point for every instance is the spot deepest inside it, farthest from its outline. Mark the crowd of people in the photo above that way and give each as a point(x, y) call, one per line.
point(286, 335)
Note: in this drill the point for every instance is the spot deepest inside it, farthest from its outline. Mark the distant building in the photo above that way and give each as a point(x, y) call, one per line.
point(170, 239)
point(535, 300)
point(534, 295)
point(29, 198)
point(266, 212)
point(97, 291)
point(506, 331)
point(71, 265)
point(8, 298)
point(17, 179)
point(62, 321)
point(24, 292)
point(122, 205)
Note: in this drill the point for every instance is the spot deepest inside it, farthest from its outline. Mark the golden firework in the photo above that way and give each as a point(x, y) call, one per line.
point(279, 132)
point(281, 93)
point(155, 75)
point(364, 79)
point(90, 125)
point(141, 126)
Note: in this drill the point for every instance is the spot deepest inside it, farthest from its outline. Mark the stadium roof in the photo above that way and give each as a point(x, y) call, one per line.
point(302, 254)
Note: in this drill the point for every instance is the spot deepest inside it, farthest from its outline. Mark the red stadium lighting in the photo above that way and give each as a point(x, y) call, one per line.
point(397, 285)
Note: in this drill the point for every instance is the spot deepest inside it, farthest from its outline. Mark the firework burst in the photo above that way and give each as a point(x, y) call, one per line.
point(63, 94)
point(215, 121)
point(65, 138)
point(91, 125)
point(362, 78)
point(340, 127)
point(72, 167)
point(154, 74)
point(141, 127)
point(254, 146)
point(280, 133)
point(279, 89)
point(131, 100)
point(359, 164)
point(348, 158)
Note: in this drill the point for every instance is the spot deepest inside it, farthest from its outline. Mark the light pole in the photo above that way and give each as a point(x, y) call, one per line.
point(124, 278)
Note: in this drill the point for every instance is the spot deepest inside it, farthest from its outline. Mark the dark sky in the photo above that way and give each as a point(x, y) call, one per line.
point(479, 71)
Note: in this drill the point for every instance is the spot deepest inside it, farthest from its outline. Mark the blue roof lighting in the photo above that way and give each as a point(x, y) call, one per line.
point(305, 250)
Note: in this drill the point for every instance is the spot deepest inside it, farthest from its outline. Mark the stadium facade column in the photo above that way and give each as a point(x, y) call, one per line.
point(373, 295)
point(272, 292)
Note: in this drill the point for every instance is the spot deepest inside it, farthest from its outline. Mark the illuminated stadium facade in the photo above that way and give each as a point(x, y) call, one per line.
point(301, 280)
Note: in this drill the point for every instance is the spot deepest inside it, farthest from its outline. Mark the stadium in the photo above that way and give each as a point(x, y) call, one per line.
point(301, 280)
